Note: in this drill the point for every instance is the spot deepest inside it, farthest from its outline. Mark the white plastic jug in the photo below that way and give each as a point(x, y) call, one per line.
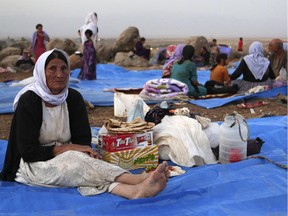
point(234, 133)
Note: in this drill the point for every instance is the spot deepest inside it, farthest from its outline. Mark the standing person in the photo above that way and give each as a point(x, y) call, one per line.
point(39, 40)
point(278, 57)
point(50, 140)
point(185, 71)
point(255, 68)
point(214, 50)
point(90, 23)
point(140, 50)
point(240, 44)
point(88, 70)
point(176, 56)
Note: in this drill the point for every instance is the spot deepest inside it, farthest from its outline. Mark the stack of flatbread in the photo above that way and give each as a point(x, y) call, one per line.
point(137, 125)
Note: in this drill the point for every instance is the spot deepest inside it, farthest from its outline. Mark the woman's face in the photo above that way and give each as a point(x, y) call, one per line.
point(57, 74)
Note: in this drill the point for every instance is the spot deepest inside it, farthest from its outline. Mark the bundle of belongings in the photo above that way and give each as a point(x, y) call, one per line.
point(180, 137)
point(188, 139)
point(164, 89)
point(166, 133)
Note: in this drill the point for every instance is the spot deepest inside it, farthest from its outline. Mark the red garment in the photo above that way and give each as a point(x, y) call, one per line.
point(39, 46)
point(240, 45)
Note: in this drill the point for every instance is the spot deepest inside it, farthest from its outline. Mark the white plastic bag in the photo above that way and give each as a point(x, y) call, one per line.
point(123, 103)
point(136, 111)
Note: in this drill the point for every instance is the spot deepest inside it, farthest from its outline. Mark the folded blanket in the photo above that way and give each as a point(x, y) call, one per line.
point(163, 88)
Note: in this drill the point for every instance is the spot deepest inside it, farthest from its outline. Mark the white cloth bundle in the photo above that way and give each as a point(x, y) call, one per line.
point(182, 140)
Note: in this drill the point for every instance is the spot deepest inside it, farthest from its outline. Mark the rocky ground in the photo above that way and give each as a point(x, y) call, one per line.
point(276, 106)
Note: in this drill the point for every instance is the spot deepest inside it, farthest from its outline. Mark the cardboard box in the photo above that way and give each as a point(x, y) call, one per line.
point(120, 142)
point(133, 158)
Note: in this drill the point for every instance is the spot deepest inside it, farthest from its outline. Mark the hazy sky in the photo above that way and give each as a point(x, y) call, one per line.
point(153, 18)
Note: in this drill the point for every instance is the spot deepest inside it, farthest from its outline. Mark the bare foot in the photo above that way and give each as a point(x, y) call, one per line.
point(155, 182)
point(166, 170)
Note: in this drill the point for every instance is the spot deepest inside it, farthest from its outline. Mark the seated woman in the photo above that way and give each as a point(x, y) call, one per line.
point(220, 82)
point(50, 139)
point(24, 62)
point(185, 71)
point(176, 56)
point(140, 50)
point(255, 68)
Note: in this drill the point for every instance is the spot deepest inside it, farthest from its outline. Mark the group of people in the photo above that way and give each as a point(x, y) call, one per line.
point(50, 136)
point(89, 36)
point(255, 69)
point(37, 47)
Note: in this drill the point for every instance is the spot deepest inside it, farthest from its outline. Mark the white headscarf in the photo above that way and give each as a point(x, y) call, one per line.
point(256, 61)
point(40, 86)
point(90, 23)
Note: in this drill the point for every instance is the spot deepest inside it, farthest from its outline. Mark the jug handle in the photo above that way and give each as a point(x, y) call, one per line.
point(234, 114)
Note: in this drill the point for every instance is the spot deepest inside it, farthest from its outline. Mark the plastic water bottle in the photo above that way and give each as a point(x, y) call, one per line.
point(234, 133)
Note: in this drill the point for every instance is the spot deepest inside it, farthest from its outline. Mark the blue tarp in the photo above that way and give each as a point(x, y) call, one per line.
point(217, 102)
point(111, 76)
point(249, 187)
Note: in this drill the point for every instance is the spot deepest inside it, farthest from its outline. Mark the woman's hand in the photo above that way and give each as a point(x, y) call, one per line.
point(81, 148)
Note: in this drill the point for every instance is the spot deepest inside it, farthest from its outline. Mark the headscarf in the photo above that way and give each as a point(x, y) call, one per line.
point(90, 23)
point(40, 86)
point(176, 55)
point(170, 50)
point(256, 61)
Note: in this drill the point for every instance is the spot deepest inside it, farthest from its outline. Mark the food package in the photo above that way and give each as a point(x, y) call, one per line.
point(119, 142)
point(141, 157)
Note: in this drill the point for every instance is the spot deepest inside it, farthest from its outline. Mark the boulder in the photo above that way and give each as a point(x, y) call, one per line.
point(127, 59)
point(126, 40)
point(104, 53)
point(9, 61)
point(9, 51)
point(21, 44)
point(3, 44)
point(67, 45)
point(75, 61)
point(197, 43)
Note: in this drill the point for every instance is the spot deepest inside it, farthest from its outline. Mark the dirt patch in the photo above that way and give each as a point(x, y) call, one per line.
point(271, 107)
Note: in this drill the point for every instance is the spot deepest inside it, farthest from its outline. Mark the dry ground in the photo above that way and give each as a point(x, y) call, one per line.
point(275, 107)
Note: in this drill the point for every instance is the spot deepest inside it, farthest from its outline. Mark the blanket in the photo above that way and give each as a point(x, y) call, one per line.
point(164, 88)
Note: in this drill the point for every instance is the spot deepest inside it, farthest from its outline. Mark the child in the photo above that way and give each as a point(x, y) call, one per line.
point(220, 82)
point(214, 50)
point(240, 44)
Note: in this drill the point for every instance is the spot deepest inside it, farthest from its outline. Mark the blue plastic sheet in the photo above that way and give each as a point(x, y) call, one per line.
point(111, 76)
point(249, 187)
point(217, 102)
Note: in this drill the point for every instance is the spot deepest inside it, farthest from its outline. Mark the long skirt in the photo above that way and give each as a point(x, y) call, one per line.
point(244, 86)
point(70, 169)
